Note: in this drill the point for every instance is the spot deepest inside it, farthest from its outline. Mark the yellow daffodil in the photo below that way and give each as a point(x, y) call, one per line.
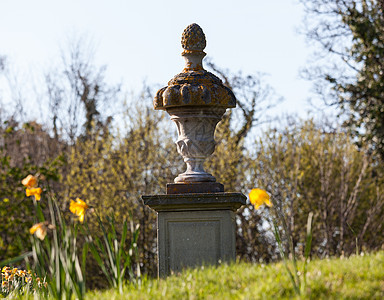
point(78, 208)
point(259, 197)
point(5, 269)
point(30, 181)
point(40, 229)
point(34, 192)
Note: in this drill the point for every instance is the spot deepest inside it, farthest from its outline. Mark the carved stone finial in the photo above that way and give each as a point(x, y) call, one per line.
point(193, 38)
point(193, 43)
point(194, 86)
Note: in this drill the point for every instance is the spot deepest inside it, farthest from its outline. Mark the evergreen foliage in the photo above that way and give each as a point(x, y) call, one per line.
point(350, 34)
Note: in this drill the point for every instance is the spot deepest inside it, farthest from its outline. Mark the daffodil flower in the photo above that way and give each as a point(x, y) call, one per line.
point(30, 181)
point(5, 269)
point(259, 197)
point(34, 192)
point(40, 229)
point(78, 208)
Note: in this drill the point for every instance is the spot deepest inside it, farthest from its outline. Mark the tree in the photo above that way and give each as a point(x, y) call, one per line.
point(310, 167)
point(2, 63)
point(78, 94)
point(350, 62)
point(254, 99)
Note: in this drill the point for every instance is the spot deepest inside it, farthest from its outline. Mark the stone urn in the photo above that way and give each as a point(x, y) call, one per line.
point(196, 101)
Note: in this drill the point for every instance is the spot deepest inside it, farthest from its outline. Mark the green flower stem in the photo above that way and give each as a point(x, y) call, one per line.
point(291, 247)
point(285, 259)
point(307, 250)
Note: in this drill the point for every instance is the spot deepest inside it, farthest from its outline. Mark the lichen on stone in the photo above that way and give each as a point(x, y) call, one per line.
point(194, 86)
point(193, 38)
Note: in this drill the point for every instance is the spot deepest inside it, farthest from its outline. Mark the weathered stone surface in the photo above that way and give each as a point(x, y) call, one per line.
point(190, 239)
point(194, 86)
point(189, 202)
point(195, 229)
point(193, 38)
point(195, 141)
point(194, 188)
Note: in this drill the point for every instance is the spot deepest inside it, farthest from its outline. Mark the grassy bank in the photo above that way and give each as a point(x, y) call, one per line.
point(357, 277)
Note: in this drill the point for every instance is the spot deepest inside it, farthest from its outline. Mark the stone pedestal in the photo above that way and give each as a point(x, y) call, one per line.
point(194, 229)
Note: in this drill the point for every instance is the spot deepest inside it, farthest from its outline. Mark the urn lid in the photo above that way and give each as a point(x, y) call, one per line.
point(194, 86)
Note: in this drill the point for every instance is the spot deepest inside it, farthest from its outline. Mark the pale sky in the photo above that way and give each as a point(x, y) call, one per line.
point(140, 40)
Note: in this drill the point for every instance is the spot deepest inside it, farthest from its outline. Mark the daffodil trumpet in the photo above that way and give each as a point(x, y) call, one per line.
point(78, 208)
point(34, 192)
point(258, 197)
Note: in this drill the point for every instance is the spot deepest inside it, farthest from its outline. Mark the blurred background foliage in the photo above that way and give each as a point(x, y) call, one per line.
point(109, 147)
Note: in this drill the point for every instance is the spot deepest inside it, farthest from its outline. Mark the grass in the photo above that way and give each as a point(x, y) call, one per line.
point(357, 277)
